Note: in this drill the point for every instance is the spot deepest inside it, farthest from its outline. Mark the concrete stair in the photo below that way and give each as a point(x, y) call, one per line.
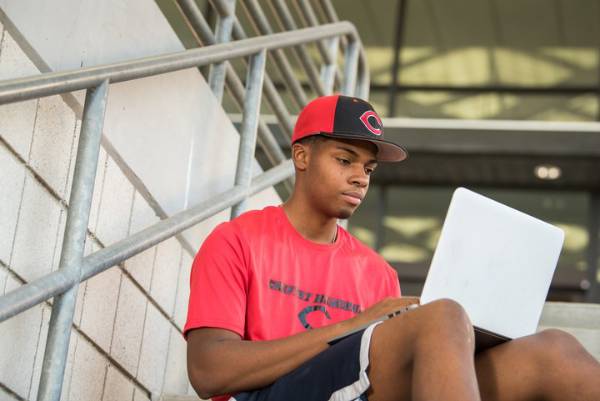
point(581, 320)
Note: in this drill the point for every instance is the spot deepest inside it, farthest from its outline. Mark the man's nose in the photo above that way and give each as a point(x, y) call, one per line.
point(360, 178)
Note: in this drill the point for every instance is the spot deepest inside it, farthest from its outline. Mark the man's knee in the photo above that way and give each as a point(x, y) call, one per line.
point(558, 344)
point(448, 314)
point(442, 321)
point(449, 320)
point(448, 309)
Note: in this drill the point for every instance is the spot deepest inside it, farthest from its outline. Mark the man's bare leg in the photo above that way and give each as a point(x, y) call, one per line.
point(427, 354)
point(424, 355)
point(550, 366)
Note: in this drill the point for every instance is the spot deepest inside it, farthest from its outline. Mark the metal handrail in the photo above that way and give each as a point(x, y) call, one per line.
point(54, 83)
point(256, 13)
point(74, 267)
point(258, 17)
point(60, 82)
point(330, 73)
point(266, 139)
point(58, 281)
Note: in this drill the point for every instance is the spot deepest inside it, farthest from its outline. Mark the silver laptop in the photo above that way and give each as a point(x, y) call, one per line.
point(497, 263)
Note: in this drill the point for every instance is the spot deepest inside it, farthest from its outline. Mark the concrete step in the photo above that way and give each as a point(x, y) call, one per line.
point(581, 320)
point(167, 397)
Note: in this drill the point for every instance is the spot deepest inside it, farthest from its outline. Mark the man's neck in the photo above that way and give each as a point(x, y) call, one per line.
point(311, 224)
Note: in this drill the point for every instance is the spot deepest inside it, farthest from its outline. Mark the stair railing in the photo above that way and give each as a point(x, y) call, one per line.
point(228, 26)
point(74, 268)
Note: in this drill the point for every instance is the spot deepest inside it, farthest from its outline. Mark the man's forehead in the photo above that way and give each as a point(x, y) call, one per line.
point(355, 145)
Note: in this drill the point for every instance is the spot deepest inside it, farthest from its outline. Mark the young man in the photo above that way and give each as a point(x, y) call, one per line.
point(271, 288)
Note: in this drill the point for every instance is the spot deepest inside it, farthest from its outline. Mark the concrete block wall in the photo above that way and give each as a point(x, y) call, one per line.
point(126, 341)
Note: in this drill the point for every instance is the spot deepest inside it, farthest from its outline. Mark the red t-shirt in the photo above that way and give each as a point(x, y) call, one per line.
point(258, 277)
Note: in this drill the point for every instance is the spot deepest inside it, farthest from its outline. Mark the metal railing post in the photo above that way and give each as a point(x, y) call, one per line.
point(95, 80)
point(363, 85)
point(61, 320)
point(328, 71)
point(350, 68)
point(310, 18)
point(282, 10)
point(256, 13)
point(325, 47)
point(266, 139)
point(199, 24)
point(331, 16)
point(52, 284)
point(225, 22)
point(251, 113)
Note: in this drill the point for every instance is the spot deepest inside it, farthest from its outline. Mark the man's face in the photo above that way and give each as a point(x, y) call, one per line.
point(338, 173)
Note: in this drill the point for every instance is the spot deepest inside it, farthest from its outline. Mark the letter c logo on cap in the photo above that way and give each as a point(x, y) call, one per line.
point(365, 120)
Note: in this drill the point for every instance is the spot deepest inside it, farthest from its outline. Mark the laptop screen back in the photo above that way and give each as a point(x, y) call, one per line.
point(496, 262)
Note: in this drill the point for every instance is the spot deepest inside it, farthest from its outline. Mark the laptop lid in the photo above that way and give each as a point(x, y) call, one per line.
point(496, 262)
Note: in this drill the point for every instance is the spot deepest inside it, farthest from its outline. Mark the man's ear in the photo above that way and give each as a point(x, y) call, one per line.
point(300, 155)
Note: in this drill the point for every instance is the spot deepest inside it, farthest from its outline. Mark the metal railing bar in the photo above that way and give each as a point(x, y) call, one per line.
point(278, 107)
point(224, 8)
point(273, 96)
point(123, 250)
point(350, 67)
point(59, 281)
point(251, 113)
point(67, 81)
point(285, 69)
point(285, 16)
point(61, 319)
point(216, 77)
point(325, 48)
point(199, 24)
point(310, 18)
point(307, 64)
point(269, 144)
point(197, 21)
point(362, 86)
point(331, 15)
point(266, 139)
point(362, 89)
point(328, 71)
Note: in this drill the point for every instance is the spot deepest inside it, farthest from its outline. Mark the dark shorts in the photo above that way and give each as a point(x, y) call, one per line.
point(336, 374)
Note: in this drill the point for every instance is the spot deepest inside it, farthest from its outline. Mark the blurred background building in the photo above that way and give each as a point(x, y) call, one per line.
point(527, 61)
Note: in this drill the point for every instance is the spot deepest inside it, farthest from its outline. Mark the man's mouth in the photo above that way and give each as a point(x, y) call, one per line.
point(354, 198)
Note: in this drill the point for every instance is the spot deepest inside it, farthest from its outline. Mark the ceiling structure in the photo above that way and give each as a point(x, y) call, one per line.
point(502, 154)
point(481, 59)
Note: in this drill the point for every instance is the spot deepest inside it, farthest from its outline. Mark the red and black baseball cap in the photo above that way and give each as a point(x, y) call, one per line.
point(346, 117)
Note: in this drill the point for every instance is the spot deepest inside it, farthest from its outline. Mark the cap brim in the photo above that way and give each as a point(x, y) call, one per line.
point(386, 151)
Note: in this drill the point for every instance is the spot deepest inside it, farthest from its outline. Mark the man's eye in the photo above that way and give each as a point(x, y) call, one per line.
point(369, 170)
point(343, 161)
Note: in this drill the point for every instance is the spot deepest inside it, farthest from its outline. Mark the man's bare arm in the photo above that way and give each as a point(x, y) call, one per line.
point(219, 362)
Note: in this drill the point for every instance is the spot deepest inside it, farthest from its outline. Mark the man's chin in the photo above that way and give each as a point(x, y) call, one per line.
point(344, 213)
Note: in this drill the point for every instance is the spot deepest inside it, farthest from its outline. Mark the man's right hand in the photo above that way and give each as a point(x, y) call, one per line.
point(382, 308)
